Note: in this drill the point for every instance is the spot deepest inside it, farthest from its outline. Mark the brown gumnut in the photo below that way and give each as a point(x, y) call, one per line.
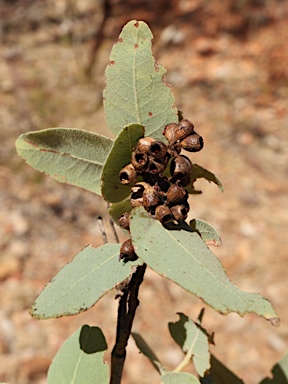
point(157, 166)
point(176, 194)
point(186, 125)
point(144, 143)
point(180, 169)
point(147, 192)
point(150, 198)
point(136, 198)
point(163, 214)
point(162, 187)
point(169, 132)
point(127, 252)
point(192, 143)
point(174, 149)
point(144, 194)
point(127, 174)
point(139, 161)
point(163, 184)
point(157, 150)
point(180, 212)
point(124, 221)
point(177, 132)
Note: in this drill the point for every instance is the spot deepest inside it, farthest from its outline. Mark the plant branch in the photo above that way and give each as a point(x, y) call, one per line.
point(184, 362)
point(188, 356)
point(128, 304)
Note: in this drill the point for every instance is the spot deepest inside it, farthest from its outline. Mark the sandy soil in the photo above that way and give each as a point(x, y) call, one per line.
point(228, 69)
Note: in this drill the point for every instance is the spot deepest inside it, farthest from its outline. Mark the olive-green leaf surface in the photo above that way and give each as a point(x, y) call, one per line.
point(82, 282)
point(199, 172)
point(117, 209)
point(80, 359)
point(119, 156)
point(68, 155)
point(206, 231)
point(220, 374)
point(192, 340)
point(147, 351)
point(279, 371)
point(184, 258)
point(135, 91)
point(179, 378)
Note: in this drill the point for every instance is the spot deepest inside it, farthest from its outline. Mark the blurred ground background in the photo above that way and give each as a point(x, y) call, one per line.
point(227, 62)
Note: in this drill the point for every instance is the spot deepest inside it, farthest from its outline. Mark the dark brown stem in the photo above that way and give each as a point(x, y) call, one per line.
point(128, 304)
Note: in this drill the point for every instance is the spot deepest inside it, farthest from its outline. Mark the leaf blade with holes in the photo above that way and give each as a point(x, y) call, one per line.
point(199, 172)
point(80, 359)
point(184, 258)
point(192, 340)
point(120, 155)
point(135, 92)
point(67, 155)
point(206, 231)
point(179, 378)
point(82, 282)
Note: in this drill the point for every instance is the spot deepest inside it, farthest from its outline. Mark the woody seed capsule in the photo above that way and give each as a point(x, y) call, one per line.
point(139, 160)
point(163, 214)
point(180, 212)
point(127, 174)
point(192, 143)
point(158, 150)
point(150, 197)
point(169, 132)
point(177, 132)
point(180, 165)
point(124, 221)
point(176, 194)
point(127, 252)
point(145, 193)
point(180, 170)
point(144, 143)
point(137, 192)
point(157, 166)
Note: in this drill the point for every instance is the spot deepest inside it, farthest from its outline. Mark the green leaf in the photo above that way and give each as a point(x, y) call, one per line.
point(80, 359)
point(135, 91)
point(279, 371)
point(198, 172)
point(119, 156)
point(82, 282)
point(68, 155)
point(117, 209)
point(147, 351)
point(219, 374)
point(179, 378)
point(184, 258)
point(206, 231)
point(192, 340)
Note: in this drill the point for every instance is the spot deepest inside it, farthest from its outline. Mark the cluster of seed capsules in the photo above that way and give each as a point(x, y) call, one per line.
point(164, 197)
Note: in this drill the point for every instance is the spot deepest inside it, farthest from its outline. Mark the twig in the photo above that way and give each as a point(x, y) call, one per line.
point(101, 226)
point(128, 304)
point(116, 237)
